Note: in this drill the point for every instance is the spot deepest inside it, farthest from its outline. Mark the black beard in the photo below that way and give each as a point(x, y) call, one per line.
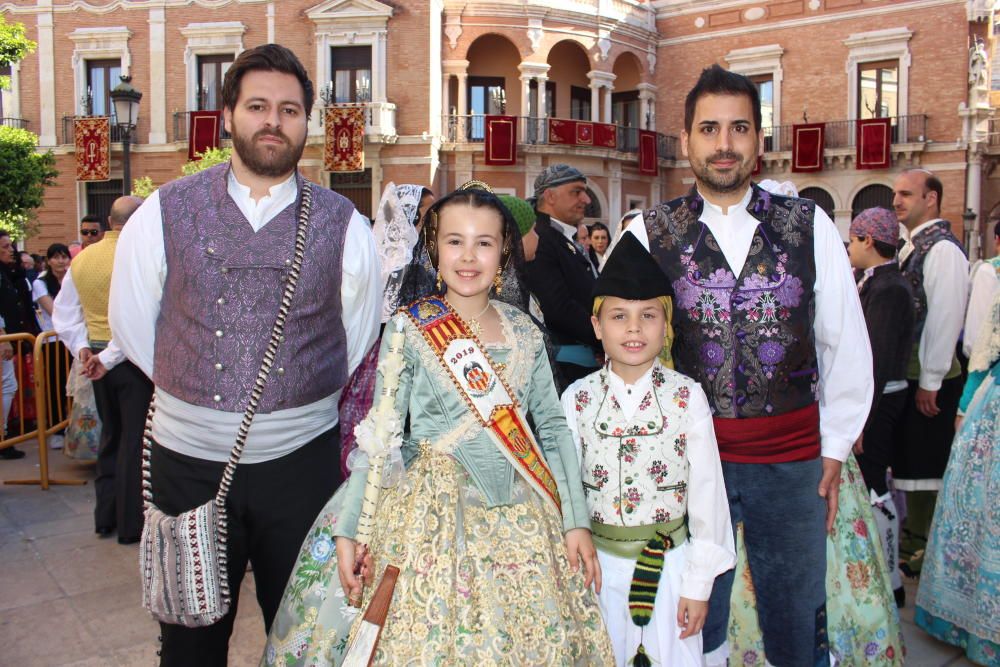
point(269, 161)
point(736, 180)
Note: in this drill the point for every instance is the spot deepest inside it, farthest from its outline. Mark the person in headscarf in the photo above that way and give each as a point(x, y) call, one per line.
point(561, 275)
point(396, 230)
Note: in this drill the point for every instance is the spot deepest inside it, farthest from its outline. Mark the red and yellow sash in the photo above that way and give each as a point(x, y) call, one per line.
point(484, 390)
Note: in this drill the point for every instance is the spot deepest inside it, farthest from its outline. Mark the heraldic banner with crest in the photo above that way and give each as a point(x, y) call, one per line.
point(345, 139)
point(92, 138)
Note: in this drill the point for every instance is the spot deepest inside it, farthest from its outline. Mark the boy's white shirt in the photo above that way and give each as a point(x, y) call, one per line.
point(712, 548)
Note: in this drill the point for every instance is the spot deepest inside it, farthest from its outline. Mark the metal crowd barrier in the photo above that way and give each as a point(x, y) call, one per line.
point(52, 410)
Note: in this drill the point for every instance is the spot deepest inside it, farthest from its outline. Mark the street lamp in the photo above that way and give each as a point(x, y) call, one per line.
point(126, 101)
point(971, 233)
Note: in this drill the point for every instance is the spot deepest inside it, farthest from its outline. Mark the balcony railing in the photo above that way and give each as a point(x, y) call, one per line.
point(909, 129)
point(994, 132)
point(19, 123)
point(380, 119)
point(535, 131)
point(116, 133)
point(182, 121)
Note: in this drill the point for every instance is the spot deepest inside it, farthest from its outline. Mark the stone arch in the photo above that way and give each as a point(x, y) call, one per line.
point(472, 37)
point(628, 71)
point(598, 196)
point(568, 66)
point(493, 60)
point(833, 192)
point(822, 197)
point(862, 184)
point(873, 194)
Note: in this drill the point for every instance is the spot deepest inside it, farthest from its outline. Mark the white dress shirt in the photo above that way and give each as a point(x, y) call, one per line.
point(712, 549)
point(946, 279)
point(843, 352)
point(68, 322)
point(136, 292)
point(985, 285)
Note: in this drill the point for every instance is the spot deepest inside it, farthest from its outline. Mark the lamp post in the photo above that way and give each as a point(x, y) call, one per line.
point(126, 101)
point(971, 233)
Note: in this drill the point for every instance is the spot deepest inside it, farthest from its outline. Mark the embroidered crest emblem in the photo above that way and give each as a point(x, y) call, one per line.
point(427, 310)
point(480, 382)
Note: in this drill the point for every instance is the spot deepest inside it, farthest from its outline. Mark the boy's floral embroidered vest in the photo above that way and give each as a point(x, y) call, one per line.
point(748, 339)
point(635, 471)
point(913, 268)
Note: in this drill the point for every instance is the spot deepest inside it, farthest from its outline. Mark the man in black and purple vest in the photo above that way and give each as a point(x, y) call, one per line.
point(767, 319)
point(199, 274)
point(935, 265)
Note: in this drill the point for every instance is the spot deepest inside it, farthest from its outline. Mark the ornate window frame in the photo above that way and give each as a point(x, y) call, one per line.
point(208, 39)
point(12, 98)
point(96, 44)
point(350, 23)
point(888, 44)
point(758, 60)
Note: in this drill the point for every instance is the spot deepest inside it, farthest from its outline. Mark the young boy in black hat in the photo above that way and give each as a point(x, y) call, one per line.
point(651, 471)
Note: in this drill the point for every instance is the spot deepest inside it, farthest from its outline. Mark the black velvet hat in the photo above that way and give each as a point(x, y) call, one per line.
point(631, 273)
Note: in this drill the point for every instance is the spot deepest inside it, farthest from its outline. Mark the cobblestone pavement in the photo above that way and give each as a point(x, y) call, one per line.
point(68, 597)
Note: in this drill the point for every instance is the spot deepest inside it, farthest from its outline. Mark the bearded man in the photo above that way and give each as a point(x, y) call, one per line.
point(198, 280)
point(767, 319)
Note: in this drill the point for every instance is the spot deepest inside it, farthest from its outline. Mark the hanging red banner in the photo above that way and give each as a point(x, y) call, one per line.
point(203, 132)
point(874, 141)
point(92, 140)
point(344, 150)
point(501, 140)
point(562, 131)
point(605, 135)
point(648, 162)
point(807, 147)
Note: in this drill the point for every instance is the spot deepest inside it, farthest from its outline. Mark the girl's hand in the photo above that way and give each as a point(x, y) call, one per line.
point(581, 549)
point(691, 616)
point(350, 570)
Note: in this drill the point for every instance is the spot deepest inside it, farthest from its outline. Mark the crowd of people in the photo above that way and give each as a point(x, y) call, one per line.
point(483, 431)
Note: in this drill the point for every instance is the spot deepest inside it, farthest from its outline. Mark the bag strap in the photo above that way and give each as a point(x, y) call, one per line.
point(277, 336)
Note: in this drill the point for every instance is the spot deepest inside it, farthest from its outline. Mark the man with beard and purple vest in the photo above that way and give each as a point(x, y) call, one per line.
point(199, 274)
point(767, 319)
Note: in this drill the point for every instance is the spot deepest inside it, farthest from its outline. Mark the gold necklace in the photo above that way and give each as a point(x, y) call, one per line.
point(473, 322)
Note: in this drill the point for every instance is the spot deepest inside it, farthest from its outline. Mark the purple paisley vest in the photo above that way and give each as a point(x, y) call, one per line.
point(913, 268)
point(222, 292)
point(746, 337)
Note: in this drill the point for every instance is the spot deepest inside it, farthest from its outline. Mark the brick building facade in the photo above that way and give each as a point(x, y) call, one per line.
point(427, 71)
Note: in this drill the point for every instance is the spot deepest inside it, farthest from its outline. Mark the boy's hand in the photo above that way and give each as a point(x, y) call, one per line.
point(691, 616)
point(581, 548)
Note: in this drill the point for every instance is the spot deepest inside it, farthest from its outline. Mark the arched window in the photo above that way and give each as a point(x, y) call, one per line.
point(871, 196)
point(822, 198)
point(594, 208)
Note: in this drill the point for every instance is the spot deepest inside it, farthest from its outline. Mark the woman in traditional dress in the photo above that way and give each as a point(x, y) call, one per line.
point(396, 227)
point(959, 596)
point(487, 524)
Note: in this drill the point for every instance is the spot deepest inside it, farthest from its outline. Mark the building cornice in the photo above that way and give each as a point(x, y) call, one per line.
point(142, 5)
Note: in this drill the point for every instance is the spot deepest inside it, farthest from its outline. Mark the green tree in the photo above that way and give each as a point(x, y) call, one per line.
point(26, 174)
point(14, 46)
point(209, 158)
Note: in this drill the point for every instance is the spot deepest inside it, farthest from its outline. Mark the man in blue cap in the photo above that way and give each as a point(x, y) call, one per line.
point(561, 276)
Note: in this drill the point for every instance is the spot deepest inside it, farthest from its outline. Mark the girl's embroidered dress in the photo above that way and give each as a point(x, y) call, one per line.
point(484, 577)
point(959, 596)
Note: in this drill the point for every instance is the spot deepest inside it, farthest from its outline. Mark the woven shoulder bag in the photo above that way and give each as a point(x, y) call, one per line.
point(185, 577)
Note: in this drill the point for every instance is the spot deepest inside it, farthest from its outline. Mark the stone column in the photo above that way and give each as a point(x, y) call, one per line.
point(46, 76)
point(157, 84)
point(647, 106)
point(608, 89)
point(595, 100)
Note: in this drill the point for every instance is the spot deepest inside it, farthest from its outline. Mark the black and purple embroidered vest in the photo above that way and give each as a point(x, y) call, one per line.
point(747, 338)
point(222, 292)
point(913, 268)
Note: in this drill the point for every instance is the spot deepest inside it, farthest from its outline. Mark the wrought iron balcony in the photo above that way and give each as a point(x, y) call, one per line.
point(911, 129)
point(535, 132)
point(19, 123)
point(380, 119)
point(182, 122)
point(116, 133)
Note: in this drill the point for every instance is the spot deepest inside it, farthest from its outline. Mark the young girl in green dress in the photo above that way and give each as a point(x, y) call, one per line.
point(487, 522)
